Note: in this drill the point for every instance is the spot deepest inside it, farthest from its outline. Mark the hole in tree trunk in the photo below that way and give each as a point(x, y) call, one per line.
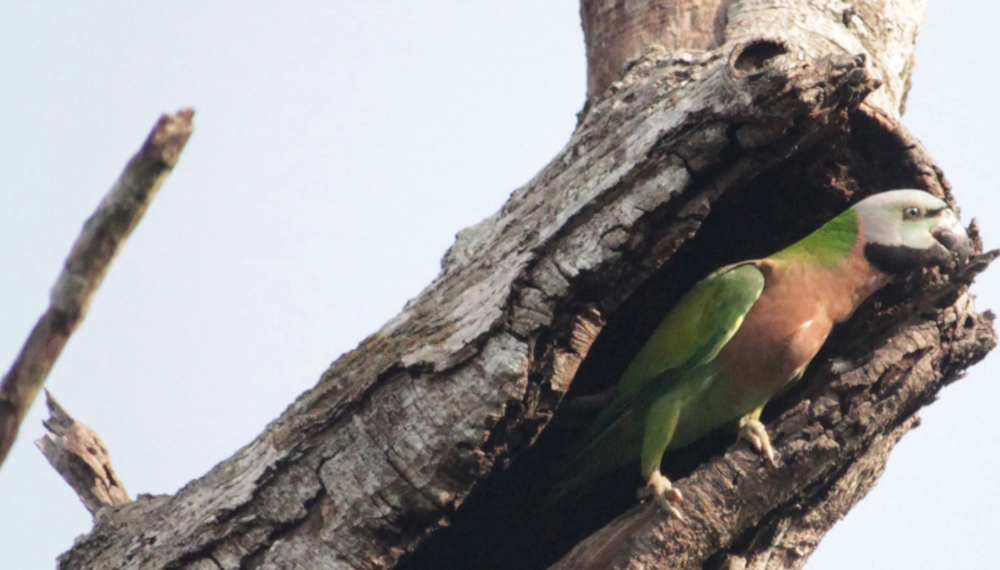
point(755, 55)
point(503, 524)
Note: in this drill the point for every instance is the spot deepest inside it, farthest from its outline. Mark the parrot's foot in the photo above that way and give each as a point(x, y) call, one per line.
point(753, 431)
point(659, 488)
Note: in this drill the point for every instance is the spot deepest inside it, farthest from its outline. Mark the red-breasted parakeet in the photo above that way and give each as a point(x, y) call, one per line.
point(748, 330)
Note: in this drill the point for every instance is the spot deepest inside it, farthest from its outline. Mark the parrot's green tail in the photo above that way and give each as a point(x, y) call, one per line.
point(585, 465)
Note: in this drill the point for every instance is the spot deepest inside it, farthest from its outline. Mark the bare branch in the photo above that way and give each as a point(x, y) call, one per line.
point(79, 455)
point(406, 454)
point(102, 237)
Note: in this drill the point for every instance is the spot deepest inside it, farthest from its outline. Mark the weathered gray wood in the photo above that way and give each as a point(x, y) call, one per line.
point(362, 468)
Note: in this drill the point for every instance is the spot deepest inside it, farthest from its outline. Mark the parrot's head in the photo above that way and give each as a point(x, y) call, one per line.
point(906, 229)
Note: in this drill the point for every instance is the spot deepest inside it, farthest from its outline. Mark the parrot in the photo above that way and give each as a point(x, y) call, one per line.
point(746, 333)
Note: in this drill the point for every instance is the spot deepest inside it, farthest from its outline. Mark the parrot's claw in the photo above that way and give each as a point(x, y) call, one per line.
point(659, 488)
point(754, 431)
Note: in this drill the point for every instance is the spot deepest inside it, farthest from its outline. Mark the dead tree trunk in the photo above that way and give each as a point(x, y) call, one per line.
point(745, 126)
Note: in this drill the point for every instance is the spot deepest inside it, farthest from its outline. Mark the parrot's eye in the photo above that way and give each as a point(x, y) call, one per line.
point(913, 212)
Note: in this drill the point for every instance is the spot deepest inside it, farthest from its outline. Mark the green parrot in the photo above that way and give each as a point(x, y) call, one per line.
point(747, 331)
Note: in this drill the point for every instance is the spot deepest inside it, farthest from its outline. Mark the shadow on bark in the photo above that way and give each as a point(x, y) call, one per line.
point(502, 524)
point(427, 446)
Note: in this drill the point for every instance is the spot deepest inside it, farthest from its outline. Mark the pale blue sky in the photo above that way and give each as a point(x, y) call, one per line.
point(338, 149)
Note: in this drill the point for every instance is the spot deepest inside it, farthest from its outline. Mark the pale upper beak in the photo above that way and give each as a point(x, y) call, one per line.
point(952, 235)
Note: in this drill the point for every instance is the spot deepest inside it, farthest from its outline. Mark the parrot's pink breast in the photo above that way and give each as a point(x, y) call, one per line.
point(791, 320)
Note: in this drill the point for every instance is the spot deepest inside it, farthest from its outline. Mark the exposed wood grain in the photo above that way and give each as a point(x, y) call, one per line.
point(618, 32)
point(396, 433)
point(690, 159)
point(78, 454)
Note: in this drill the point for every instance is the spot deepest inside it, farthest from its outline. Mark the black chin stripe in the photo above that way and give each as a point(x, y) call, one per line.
point(895, 259)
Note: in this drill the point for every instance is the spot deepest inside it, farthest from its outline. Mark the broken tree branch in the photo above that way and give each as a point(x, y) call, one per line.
point(78, 454)
point(102, 237)
point(690, 160)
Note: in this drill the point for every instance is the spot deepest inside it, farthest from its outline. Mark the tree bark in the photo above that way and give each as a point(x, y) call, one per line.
point(687, 157)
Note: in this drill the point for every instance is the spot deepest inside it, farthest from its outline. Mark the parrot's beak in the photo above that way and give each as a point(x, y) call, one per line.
point(950, 234)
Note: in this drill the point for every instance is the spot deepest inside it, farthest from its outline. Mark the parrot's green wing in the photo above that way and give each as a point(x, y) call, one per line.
point(691, 335)
point(696, 329)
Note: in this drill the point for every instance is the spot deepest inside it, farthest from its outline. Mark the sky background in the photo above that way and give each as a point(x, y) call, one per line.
point(338, 148)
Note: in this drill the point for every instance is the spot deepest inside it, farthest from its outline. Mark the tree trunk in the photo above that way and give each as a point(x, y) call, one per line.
point(747, 126)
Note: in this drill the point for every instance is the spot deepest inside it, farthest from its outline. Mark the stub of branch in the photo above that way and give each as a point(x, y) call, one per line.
point(78, 454)
point(102, 237)
point(360, 469)
point(691, 161)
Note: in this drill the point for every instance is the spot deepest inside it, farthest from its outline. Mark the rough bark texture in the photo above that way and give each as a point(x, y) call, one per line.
point(402, 455)
point(619, 31)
